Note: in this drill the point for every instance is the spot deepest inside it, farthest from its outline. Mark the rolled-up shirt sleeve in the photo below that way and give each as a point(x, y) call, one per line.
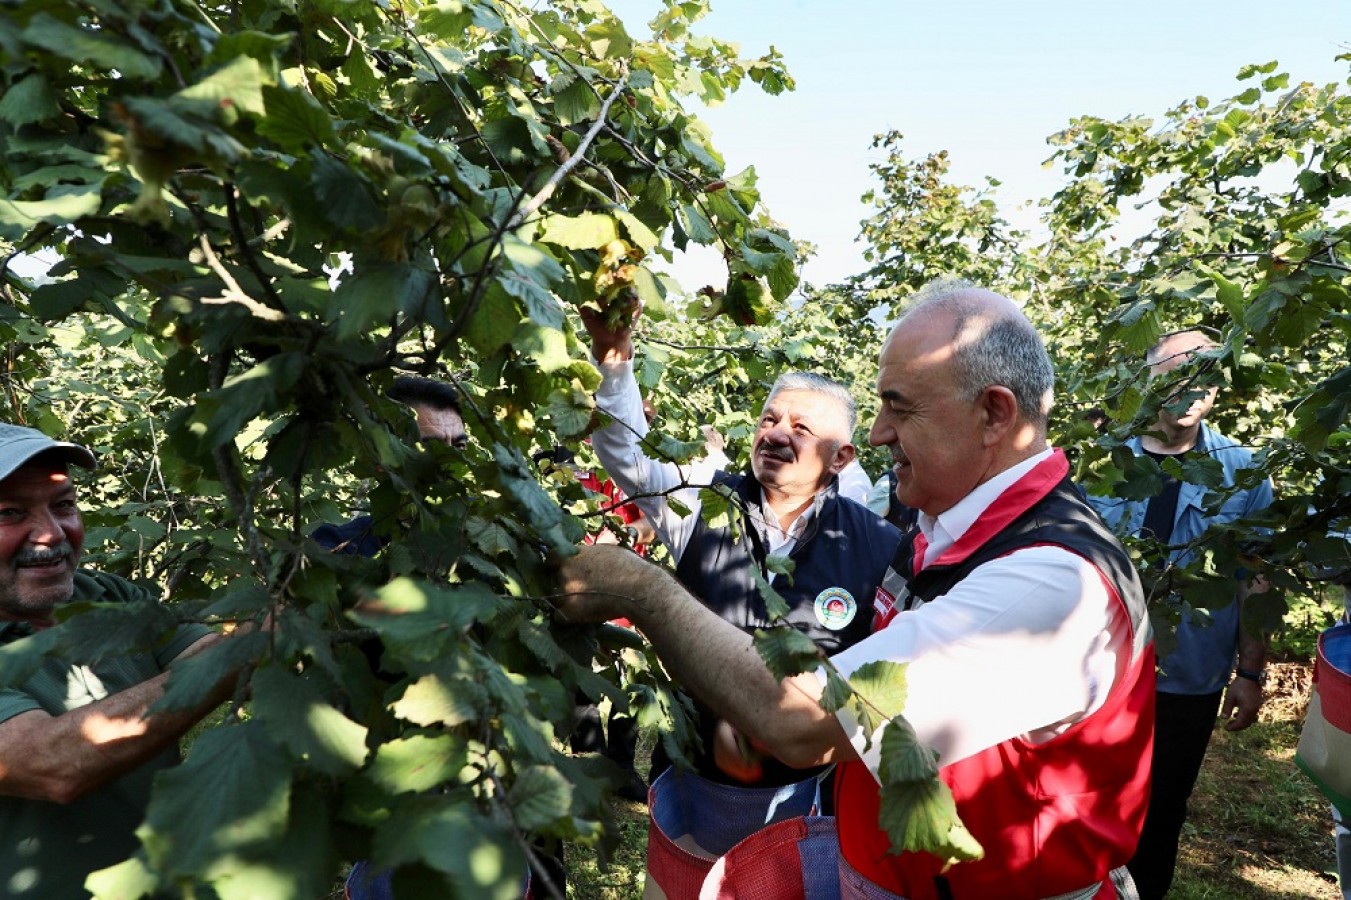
point(1025, 645)
point(647, 481)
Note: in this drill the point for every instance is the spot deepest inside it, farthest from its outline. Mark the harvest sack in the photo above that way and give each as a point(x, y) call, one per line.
point(1324, 751)
point(797, 859)
point(693, 821)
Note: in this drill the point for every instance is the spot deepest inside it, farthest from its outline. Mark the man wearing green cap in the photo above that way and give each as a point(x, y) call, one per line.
point(78, 745)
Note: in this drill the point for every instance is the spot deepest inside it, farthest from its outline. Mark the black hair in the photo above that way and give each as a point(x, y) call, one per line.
point(412, 390)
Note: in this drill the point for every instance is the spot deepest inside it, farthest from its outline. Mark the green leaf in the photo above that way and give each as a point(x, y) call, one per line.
point(232, 794)
point(923, 817)
point(373, 295)
point(247, 395)
point(776, 608)
point(540, 508)
point(1141, 476)
point(31, 99)
point(638, 232)
point(490, 537)
point(433, 700)
point(539, 797)
point(715, 508)
point(417, 619)
point(299, 718)
point(129, 878)
point(445, 833)
point(92, 632)
point(570, 411)
point(696, 225)
point(417, 763)
point(196, 678)
point(652, 294)
point(89, 47)
point(576, 103)
point(63, 205)
point(531, 277)
point(510, 140)
point(236, 86)
point(345, 199)
point(1231, 295)
point(545, 346)
point(494, 321)
point(903, 758)
point(787, 651)
point(879, 693)
point(837, 692)
point(588, 231)
point(295, 120)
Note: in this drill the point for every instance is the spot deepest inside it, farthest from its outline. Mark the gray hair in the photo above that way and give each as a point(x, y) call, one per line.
point(991, 348)
point(819, 384)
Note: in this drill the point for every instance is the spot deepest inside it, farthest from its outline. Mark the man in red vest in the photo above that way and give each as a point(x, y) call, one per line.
point(1030, 662)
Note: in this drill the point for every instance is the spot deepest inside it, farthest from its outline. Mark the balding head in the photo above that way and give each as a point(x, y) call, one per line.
point(1174, 349)
point(1180, 417)
point(992, 343)
point(965, 385)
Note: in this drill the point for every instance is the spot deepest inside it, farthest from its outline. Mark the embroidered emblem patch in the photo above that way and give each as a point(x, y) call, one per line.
point(835, 608)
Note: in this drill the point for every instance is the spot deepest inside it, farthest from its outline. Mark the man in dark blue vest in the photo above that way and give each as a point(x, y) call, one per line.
point(790, 507)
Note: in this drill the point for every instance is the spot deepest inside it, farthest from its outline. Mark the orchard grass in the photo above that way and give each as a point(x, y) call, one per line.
point(1257, 828)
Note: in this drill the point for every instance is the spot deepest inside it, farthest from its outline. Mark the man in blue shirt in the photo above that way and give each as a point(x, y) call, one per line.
point(1192, 679)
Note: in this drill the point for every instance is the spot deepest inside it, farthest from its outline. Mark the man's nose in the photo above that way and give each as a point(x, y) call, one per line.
point(880, 434)
point(45, 529)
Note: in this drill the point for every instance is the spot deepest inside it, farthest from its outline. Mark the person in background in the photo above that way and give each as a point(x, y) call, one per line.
point(1192, 679)
point(79, 744)
point(882, 500)
point(804, 439)
point(436, 406)
point(1020, 616)
point(854, 483)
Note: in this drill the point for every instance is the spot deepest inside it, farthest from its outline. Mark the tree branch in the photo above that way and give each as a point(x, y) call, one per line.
point(533, 205)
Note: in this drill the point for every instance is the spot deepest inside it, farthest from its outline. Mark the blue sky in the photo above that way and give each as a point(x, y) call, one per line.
point(987, 81)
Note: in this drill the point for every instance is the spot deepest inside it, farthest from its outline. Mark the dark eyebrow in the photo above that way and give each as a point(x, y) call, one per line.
point(892, 396)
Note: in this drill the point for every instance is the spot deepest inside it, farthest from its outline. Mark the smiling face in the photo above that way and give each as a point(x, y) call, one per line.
point(802, 441)
point(935, 434)
point(41, 538)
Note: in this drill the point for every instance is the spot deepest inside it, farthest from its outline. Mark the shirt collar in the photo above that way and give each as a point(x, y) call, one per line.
point(945, 529)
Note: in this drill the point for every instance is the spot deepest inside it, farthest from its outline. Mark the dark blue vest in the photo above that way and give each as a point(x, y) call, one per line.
point(840, 561)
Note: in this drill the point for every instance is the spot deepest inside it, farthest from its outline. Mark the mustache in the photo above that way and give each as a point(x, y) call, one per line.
point(39, 555)
point(781, 453)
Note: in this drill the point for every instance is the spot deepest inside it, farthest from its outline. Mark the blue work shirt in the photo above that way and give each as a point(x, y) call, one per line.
point(1204, 657)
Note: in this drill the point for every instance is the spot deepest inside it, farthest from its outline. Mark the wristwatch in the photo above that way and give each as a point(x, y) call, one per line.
point(1259, 677)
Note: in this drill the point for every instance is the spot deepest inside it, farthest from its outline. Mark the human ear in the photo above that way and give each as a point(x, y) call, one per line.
point(999, 408)
point(843, 457)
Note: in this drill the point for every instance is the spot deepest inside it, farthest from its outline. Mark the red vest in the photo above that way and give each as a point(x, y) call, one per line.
point(1054, 817)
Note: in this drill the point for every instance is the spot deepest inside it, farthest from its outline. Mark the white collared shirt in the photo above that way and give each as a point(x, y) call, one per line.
point(1025, 645)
